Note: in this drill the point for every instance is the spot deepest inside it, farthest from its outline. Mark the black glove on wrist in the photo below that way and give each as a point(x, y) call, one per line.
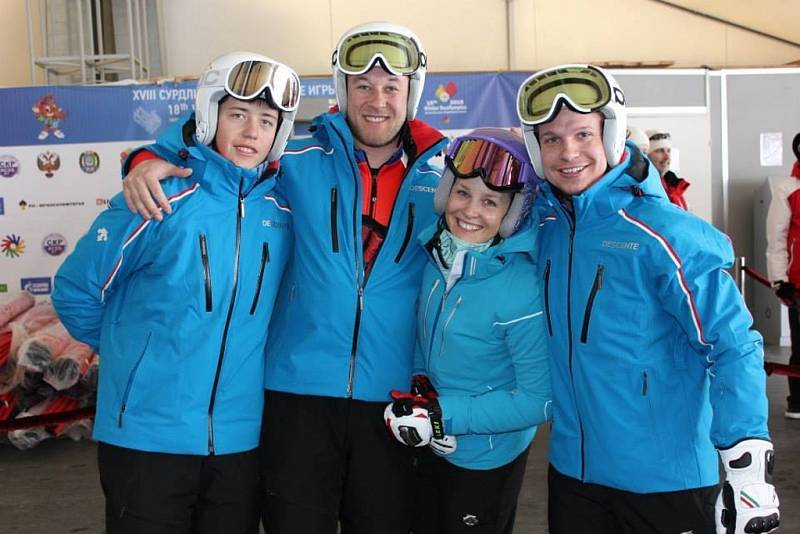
point(787, 293)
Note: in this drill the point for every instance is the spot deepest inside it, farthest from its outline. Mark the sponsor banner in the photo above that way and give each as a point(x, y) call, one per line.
point(40, 285)
point(57, 115)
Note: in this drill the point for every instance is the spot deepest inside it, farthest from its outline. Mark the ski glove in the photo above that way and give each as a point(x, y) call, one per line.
point(786, 292)
point(413, 420)
point(748, 502)
point(444, 446)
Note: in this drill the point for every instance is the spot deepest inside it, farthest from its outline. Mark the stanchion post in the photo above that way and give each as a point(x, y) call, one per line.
point(739, 265)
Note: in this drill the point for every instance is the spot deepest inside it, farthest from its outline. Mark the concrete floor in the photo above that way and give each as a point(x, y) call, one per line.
point(54, 487)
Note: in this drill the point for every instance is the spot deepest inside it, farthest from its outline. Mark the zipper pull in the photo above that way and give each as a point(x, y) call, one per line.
point(360, 298)
point(241, 206)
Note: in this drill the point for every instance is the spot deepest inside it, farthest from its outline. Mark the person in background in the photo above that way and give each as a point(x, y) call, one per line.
point(639, 138)
point(783, 246)
point(178, 309)
point(654, 363)
point(343, 331)
point(481, 359)
point(660, 153)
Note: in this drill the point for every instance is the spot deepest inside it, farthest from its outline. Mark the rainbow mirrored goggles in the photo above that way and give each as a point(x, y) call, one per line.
point(583, 89)
point(497, 165)
point(399, 54)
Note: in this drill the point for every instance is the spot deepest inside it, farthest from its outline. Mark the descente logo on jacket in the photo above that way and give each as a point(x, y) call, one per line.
point(269, 223)
point(422, 189)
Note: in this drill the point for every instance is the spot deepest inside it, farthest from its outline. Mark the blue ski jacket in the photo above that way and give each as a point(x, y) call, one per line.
point(337, 332)
point(482, 343)
point(177, 309)
point(653, 359)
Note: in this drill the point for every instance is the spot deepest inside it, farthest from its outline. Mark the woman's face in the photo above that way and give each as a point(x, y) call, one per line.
point(474, 212)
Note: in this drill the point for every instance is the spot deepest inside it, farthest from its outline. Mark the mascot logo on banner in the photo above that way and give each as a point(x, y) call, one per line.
point(50, 115)
point(48, 162)
point(13, 246)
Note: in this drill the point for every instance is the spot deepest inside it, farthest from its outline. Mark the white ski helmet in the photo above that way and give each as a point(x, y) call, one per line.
point(247, 76)
point(396, 48)
point(581, 88)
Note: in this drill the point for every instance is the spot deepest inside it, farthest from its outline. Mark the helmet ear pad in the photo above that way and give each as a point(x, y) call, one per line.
point(514, 215)
point(443, 191)
point(206, 116)
point(511, 221)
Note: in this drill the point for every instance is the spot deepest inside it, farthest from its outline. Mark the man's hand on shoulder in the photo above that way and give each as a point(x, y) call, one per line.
point(143, 192)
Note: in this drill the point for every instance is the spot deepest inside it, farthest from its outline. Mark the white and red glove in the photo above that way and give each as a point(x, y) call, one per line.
point(414, 418)
point(409, 419)
point(748, 502)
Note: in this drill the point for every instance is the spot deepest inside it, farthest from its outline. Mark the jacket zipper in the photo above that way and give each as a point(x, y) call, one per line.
point(571, 222)
point(596, 286)
point(446, 323)
point(547, 297)
point(131, 376)
point(409, 232)
point(644, 383)
point(439, 310)
point(223, 343)
point(206, 271)
point(428, 304)
point(334, 220)
point(264, 262)
point(360, 278)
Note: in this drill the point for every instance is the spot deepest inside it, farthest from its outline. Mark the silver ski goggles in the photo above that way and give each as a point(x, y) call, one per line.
point(249, 79)
point(499, 169)
point(583, 89)
point(398, 53)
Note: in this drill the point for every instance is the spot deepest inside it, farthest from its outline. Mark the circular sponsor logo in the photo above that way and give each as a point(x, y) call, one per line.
point(9, 166)
point(89, 161)
point(54, 244)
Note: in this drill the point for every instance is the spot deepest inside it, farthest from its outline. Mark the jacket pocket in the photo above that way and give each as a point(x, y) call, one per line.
point(131, 379)
point(206, 271)
point(264, 262)
point(409, 232)
point(334, 219)
point(587, 314)
point(547, 297)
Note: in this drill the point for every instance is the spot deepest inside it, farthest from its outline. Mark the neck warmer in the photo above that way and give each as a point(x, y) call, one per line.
point(450, 246)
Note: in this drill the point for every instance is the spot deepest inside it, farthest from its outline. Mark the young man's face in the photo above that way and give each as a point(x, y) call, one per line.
point(573, 156)
point(661, 159)
point(376, 106)
point(245, 131)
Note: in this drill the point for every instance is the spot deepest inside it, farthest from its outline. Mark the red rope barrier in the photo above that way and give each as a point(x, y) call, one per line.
point(782, 369)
